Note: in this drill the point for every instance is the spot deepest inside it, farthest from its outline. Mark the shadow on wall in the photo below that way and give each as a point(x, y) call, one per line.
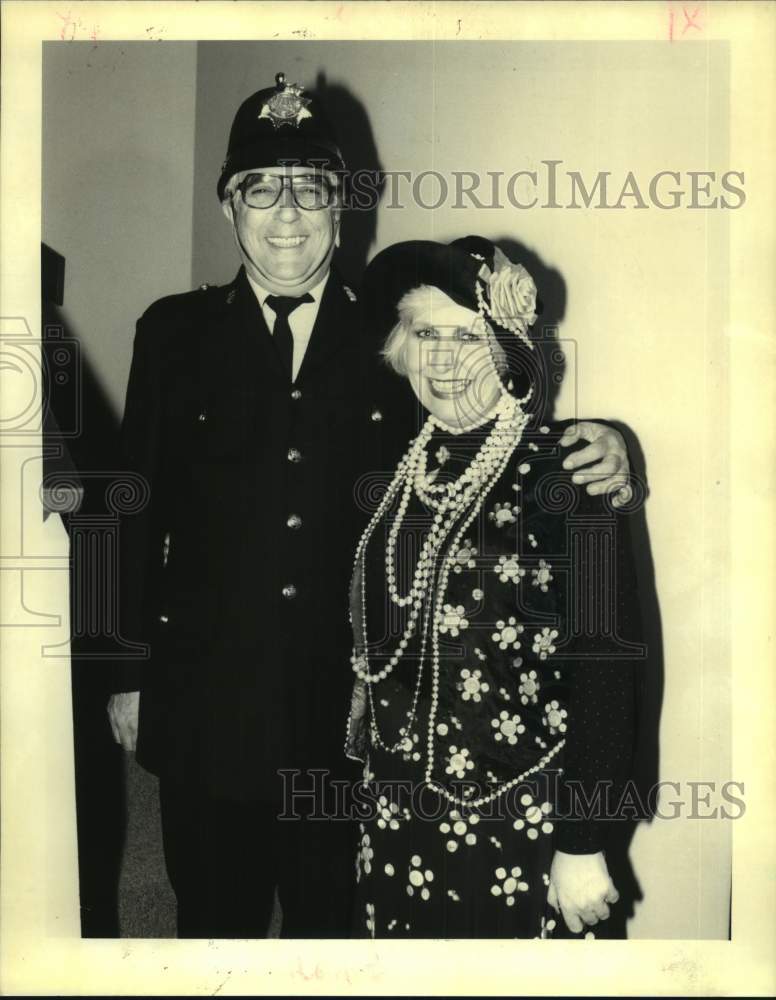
point(357, 143)
point(649, 696)
point(650, 673)
point(551, 289)
point(90, 427)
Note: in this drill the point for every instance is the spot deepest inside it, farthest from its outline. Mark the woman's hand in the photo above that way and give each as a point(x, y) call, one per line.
point(607, 449)
point(581, 889)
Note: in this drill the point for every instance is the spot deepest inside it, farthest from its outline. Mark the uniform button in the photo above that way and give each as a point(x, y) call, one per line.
point(202, 418)
point(163, 619)
point(294, 521)
point(294, 455)
point(296, 394)
point(289, 591)
point(376, 416)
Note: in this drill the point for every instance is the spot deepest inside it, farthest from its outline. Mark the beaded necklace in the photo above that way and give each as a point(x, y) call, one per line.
point(455, 502)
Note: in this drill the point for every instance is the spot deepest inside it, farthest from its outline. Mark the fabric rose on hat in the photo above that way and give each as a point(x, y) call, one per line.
point(512, 295)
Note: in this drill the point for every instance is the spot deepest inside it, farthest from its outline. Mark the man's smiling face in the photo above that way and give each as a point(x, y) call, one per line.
point(287, 249)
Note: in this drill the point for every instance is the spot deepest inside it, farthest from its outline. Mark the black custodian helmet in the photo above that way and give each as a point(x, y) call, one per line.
point(280, 126)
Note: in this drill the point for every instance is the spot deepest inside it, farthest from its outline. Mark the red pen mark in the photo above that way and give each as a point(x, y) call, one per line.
point(71, 25)
point(67, 22)
point(689, 20)
point(317, 972)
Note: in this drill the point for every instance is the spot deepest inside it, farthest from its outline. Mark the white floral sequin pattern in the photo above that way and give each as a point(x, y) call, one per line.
point(509, 569)
point(387, 817)
point(464, 557)
point(364, 855)
point(544, 642)
point(459, 762)
point(542, 576)
point(502, 514)
point(418, 878)
point(370, 918)
point(529, 687)
point(508, 727)
point(535, 818)
point(506, 634)
point(442, 454)
point(555, 717)
point(509, 883)
point(459, 826)
point(471, 685)
point(453, 620)
point(409, 745)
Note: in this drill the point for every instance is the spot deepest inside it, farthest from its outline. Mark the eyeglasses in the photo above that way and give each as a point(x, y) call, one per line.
point(310, 191)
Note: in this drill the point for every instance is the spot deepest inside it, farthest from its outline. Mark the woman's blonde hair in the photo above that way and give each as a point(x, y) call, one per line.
point(428, 297)
point(423, 297)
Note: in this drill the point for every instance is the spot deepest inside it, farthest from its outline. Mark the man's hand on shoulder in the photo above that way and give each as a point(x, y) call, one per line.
point(606, 457)
point(123, 710)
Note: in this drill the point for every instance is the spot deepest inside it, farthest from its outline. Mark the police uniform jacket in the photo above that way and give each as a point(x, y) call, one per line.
point(235, 559)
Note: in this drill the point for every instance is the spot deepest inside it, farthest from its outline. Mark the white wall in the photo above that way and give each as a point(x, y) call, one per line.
point(118, 132)
point(645, 304)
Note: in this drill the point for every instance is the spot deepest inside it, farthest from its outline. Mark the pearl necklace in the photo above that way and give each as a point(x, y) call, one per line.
point(470, 490)
point(455, 496)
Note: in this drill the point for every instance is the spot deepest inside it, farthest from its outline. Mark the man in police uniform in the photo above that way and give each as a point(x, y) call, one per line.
point(251, 411)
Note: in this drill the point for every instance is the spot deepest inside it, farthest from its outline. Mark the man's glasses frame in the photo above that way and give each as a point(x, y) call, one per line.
point(323, 191)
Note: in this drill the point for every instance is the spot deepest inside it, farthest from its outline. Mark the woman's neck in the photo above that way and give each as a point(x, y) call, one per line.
point(504, 401)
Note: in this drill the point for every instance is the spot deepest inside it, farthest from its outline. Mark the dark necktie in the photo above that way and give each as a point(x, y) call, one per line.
point(283, 306)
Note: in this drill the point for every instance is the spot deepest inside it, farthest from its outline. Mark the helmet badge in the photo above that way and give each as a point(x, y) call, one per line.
point(287, 106)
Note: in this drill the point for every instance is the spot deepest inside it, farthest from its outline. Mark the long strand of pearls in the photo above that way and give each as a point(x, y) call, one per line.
point(455, 496)
point(501, 441)
point(469, 491)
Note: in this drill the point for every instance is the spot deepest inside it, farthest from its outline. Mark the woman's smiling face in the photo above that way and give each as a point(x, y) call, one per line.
point(449, 356)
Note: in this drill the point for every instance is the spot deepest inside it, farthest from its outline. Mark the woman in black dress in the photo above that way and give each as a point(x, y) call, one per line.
point(495, 631)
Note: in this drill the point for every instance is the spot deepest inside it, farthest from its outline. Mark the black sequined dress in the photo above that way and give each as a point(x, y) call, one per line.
point(468, 792)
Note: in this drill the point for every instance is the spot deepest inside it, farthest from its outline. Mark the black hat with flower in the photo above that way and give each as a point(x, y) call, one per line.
point(473, 272)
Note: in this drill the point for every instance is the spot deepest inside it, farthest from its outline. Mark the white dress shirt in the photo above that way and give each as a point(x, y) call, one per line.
point(301, 320)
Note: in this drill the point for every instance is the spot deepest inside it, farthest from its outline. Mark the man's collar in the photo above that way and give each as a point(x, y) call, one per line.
point(261, 292)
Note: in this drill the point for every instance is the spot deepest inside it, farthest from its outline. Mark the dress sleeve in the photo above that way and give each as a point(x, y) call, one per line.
point(602, 687)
